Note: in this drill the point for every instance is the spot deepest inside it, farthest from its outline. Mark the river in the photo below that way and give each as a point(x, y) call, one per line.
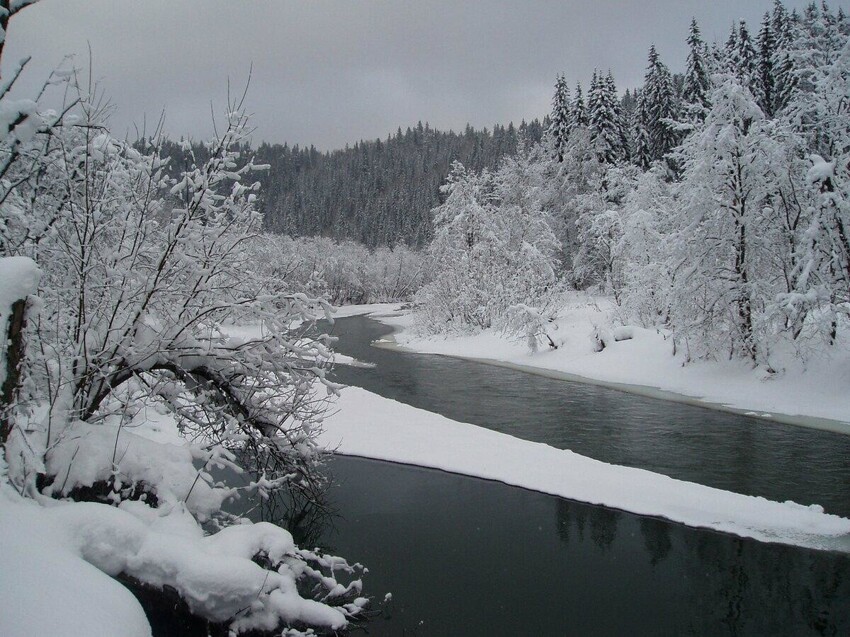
point(464, 556)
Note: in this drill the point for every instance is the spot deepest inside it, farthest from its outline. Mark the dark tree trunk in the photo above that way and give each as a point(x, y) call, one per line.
point(14, 357)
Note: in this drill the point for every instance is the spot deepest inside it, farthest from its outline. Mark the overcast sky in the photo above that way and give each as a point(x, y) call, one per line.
point(332, 72)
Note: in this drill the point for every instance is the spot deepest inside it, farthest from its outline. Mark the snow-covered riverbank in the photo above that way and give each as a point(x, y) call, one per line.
point(371, 426)
point(814, 395)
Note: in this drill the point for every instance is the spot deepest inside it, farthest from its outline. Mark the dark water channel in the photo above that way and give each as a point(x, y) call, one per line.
point(470, 557)
point(729, 451)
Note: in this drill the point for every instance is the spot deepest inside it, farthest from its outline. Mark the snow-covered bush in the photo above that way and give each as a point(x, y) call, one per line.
point(341, 272)
point(145, 281)
point(493, 249)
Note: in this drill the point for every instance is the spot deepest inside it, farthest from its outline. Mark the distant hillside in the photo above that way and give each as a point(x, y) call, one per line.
point(377, 192)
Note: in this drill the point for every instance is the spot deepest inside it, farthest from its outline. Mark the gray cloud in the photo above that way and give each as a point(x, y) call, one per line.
point(330, 72)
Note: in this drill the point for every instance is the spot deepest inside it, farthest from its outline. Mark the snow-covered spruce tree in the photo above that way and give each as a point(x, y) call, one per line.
point(560, 121)
point(578, 110)
point(744, 62)
point(697, 82)
point(660, 107)
point(142, 281)
point(641, 154)
point(621, 118)
point(766, 76)
point(782, 64)
point(605, 120)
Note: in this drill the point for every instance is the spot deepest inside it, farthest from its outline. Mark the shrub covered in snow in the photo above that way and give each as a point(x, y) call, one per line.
point(494, 249)
point(142, 279)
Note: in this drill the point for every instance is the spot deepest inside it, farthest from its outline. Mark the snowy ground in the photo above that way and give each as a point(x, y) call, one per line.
point(815, 395)
point(371, 426)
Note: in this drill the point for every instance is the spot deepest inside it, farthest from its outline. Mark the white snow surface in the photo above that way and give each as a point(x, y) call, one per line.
point(67, 552)
point(63, 554)
point(371, 426)
point(19, 278)
point(344, 311)
point(49, 589)
point(639, 360)
point(85, 454)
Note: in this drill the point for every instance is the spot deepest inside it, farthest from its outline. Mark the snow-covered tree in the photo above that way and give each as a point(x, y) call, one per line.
point(729, 163)
point(463, 252)
point(493, 251)
point(578, 110)
point(530, 243)
point(560, 120)
point(784, 81)
point(822, 277)
point(648, 274)
point(641, 145)
point(697, 83)
point(605, 120)
point(142, 280)
point(138, 291)
point(660, 107)
point(564, 183)
point(600, 230)
point(765, 76)
point(744, 62)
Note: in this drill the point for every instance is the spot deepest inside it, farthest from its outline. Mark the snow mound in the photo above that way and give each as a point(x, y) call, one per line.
point(87, 454)
point(67, 552)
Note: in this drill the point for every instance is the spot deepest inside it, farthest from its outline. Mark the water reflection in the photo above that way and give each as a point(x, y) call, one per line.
point(467, 556)
point(656, 539)
point(309, 520)
point(731, 585)
point(728, 451)
point(307, 515)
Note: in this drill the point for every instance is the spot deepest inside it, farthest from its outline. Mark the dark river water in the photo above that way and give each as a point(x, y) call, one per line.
point(470, 557)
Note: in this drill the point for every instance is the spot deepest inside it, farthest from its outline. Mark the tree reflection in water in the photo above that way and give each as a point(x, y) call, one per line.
point(732, 585)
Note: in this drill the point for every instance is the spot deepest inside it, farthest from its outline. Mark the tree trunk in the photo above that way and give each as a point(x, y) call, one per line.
point(14, 358)
point(745, 310)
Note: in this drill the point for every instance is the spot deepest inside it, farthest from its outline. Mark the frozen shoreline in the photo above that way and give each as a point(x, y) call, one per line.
point(816, 399)
point(370, 426)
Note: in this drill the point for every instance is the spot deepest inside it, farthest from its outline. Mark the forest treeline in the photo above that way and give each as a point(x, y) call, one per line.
point(378, 192)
